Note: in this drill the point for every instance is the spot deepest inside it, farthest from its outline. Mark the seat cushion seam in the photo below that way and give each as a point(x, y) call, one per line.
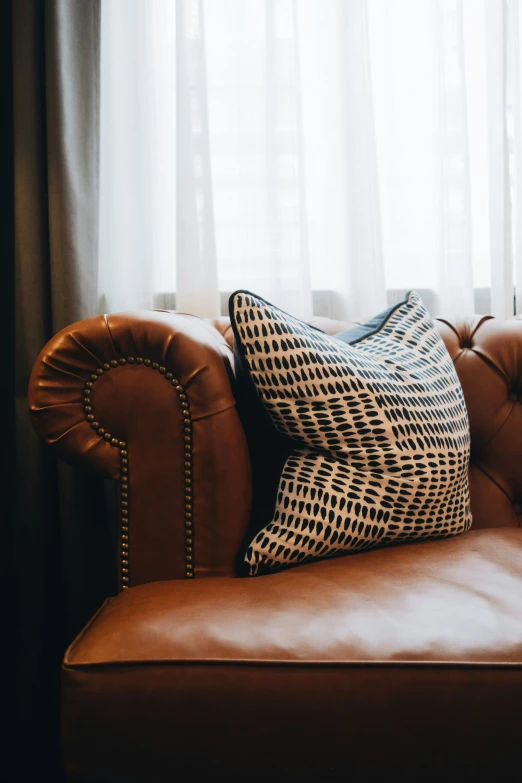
point(74, 644)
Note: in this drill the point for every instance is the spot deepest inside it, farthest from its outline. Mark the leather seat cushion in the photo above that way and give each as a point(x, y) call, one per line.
point(307, 668)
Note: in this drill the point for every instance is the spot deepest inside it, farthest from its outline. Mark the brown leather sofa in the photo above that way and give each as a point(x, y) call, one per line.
point(403, 663)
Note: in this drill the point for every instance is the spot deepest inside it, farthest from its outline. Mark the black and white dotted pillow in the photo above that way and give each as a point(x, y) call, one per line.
point(380, 428)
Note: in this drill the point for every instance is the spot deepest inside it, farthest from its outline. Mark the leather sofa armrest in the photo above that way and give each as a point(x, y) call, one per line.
point(145, 398)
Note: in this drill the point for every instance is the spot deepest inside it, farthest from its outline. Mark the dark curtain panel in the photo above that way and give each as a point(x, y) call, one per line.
point(61, 560)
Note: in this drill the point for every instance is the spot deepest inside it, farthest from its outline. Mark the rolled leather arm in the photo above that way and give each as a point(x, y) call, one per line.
point(145, 398)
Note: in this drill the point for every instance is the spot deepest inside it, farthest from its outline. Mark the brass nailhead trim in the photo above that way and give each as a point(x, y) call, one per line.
point(188, 476)
point(124, 477)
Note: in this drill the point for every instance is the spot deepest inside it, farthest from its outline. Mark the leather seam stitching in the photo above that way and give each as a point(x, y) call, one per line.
point(297, 663)
point(486, 474)
point(72, 647)
point(496, 369)
point(501, 427)
point(205, 416)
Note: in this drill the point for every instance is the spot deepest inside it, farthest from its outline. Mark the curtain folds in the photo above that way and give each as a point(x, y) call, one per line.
point(61, 552)
point(328, 156)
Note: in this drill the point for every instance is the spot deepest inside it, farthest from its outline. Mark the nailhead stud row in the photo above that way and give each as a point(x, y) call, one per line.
point(124, 461)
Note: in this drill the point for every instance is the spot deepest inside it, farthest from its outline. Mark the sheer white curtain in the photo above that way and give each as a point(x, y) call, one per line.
point(326, 154)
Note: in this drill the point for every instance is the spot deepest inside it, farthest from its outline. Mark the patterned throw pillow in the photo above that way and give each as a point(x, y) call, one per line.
point(379, 425)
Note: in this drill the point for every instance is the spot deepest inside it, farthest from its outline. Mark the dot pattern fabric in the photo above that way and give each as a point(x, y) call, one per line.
point(380, 428)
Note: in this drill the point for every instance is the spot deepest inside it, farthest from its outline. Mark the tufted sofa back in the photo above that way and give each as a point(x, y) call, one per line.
point(487, 354)
point(146, 399)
